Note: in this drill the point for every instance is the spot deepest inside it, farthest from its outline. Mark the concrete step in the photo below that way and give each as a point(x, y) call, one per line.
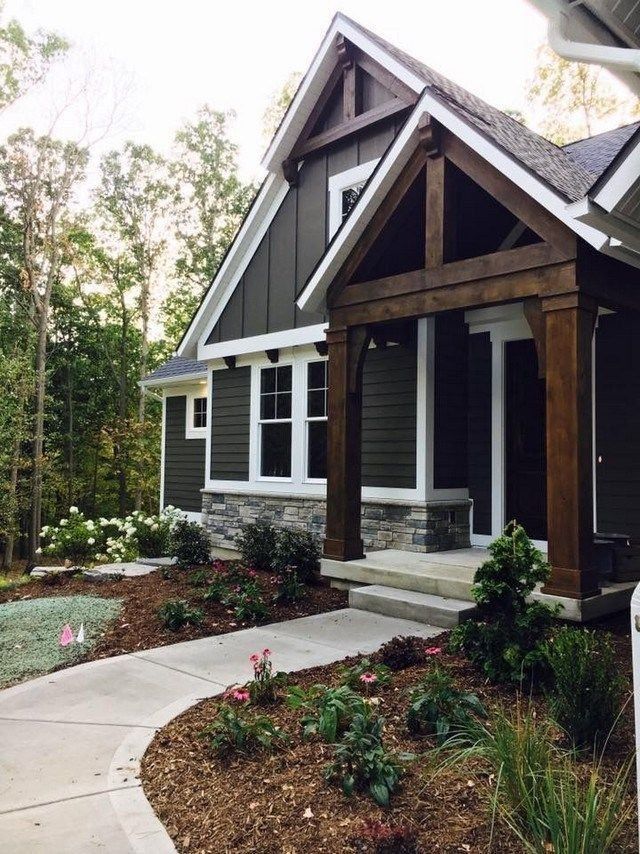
point(411, 605)
point(405, 572)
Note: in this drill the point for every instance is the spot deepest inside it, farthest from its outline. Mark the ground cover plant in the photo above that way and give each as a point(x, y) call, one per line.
point(177, 613)
point(30, 631)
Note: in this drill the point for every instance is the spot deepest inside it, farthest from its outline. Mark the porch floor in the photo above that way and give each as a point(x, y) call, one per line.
point(450, 574)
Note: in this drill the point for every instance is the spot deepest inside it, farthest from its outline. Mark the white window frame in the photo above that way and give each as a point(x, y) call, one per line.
point(345, 181)
point(191, 432)
point(261, 421)
point(308, 419)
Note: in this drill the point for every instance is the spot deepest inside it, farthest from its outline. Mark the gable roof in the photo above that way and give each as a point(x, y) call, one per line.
point(177, 369)
point(597, 153)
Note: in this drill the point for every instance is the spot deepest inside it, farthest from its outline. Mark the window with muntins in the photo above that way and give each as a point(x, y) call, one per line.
point(316, 418)
point(275, 421)
point(350, 196)
point(199, 412)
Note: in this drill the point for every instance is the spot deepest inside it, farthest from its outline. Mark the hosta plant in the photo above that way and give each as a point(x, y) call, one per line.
point(177, 613)
point(327, 712)
point(236, 728)
point(439, 709)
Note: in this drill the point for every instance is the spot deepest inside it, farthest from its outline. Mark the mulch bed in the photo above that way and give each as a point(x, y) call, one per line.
point(281, 803)
point(139, 627)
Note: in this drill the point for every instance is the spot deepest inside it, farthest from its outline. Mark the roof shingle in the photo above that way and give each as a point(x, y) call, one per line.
point(175, 368)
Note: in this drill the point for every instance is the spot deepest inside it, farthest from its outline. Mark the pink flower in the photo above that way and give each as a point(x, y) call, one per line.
point(255, 658)
point(241, 695)
point(368, 678)
point(433, 650)
point(266, 652)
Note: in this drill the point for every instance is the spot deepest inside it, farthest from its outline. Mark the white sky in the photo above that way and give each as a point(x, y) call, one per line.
point(172, 57)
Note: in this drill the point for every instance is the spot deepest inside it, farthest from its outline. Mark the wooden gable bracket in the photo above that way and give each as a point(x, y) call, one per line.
point(273, 355)
point(535, 318)
point(230, 361)
point(429, 135)
point(322, 347)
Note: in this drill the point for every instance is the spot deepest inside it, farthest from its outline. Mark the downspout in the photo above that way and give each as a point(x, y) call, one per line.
point(619, 58)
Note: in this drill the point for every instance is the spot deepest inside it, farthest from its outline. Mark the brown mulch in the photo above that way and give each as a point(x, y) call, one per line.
point(138, 626)
point(281, 804)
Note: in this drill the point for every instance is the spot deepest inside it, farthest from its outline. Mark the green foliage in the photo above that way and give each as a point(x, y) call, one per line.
point(153, 532)
point(586, 689)
point(256, 543)
point(506, 642)
point(239, 730)
point(360, 760)
point(263, 688)
point(365, 675)
point(190, 544)
point(76, 539)
point(328, 712)
point(298, 549)
point(439, 709)
point(176, 613)
point(402, 652)
point(8, 584)
point(199, 578)
point(290, 588)
point(247, 601)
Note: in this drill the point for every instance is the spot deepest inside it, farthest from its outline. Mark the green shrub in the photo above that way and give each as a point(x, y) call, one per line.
point(256, 543)
point(7, 584)
point(402, 652)
point(290, 588)
point(365, 675)
point(297, 549)
point(177, 613)
point(439, 709)
point(153, 532)
point(507, 641)
point(586, 690)
point(75, 538)
point(199, 578)
point(237, 729)
point(328, 712)
point(360, 760)
point(190, 544)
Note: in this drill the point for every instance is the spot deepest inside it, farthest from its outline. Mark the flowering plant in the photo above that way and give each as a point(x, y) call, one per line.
point(263, 689)
point(365, 674)
point(75, 538)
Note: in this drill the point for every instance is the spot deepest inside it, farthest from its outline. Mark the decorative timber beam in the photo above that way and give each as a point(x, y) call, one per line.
point(273, 355)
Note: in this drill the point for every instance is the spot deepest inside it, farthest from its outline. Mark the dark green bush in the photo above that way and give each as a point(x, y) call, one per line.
point(177, 613)
point(297, 549)
point(402, 652)
point(439, 709)
point(256, 543)
point(586, 690)
point(507, 641)
point(190, 544)
point(328, 712)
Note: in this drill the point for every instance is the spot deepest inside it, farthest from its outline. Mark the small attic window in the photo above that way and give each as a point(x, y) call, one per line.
point(344, 191)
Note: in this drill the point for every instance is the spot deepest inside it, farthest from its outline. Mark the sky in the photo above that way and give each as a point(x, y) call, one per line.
point(164, 59)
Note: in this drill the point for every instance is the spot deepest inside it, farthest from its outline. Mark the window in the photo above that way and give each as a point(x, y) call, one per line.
point(317, 420)
point(199, 413)
point(344, 190)
point(275, 421)
point(350, 196)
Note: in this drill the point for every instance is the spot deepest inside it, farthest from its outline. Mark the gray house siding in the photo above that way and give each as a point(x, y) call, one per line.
point(183, 459)
point(389, 406)
point(230, 424)
point(618, 424)
point(264, 299)
point(450, 401)
point(479, 431)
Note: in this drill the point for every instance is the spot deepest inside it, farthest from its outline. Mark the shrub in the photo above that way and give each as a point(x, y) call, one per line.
point(153, 532)
point(263, 688)
point(290, 588)
point(365, 675)
point(8, 584)
point(256, 543)
point(190, 544)
point(402, 652)
point(507, 642)
point(177, 613)
point(586, 689)
point(297, 549)
point(236, 729)
point(380, 838)
point(439, 709)
point(360, 760)
point(75, 539)
point(247, 601)
point(328, 712)
point(219, 587)
point(199, 578)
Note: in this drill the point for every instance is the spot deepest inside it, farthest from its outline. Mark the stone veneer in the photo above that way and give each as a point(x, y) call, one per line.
point(410, 525)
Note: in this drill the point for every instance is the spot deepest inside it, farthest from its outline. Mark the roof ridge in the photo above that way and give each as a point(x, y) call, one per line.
point(601, 133)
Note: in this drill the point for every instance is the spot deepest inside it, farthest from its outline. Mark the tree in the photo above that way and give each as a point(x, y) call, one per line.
point(571, 101)
point(24, 59)
point(279, 104)
point(38, 176)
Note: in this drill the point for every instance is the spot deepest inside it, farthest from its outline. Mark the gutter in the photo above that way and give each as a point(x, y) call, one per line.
point(618, 58)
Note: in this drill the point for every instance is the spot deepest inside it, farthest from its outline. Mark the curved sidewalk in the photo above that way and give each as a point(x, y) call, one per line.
point(71, 742)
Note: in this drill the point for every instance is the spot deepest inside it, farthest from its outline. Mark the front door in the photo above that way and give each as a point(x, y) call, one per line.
point(525, 440)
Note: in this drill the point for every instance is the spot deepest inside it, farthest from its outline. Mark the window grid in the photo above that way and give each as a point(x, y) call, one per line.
point(316, 418)
point(199, 413)
point(276, 385)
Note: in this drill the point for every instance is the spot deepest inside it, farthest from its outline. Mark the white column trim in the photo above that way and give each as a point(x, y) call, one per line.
point(162, 448)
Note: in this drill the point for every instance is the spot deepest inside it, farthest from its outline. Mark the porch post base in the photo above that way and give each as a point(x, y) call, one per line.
point(343, 549)
point(572, 583)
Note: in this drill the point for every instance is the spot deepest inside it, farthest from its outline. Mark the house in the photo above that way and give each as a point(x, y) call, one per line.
point(427, 325)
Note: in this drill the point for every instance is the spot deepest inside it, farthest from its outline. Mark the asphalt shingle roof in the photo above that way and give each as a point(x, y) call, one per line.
point(596, 153)
point(175, 368)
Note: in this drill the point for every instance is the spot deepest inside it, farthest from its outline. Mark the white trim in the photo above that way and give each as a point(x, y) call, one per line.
point(269, 341)
point(624, 175)
point(163, 439)
point(191, 432)
point(165, 382)
point(345, 181)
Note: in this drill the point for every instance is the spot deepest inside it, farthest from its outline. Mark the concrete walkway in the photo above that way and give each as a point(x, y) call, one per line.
point(71, 742)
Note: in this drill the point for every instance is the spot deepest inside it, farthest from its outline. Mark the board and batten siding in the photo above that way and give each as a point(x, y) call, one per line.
point(618, 424)
point(184, 459)
point(479, 431)
point(389, 407)
point(450, 423)
point(264, 299)
point(230, 424)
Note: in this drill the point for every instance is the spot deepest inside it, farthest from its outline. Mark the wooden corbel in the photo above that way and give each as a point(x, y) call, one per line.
point(273, 355)
point(230, 361)
point(358, 338)
point(343, 47)
point(290, 172)
point(429, 135)
point(537, 323)
point(322, 347)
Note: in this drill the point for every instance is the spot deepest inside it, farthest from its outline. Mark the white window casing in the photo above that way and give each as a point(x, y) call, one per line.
point(347, 180)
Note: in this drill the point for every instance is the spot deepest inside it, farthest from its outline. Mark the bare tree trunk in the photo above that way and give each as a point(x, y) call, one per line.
point(38, 433)
point(144, 359)
point(7, 558)
point(70, 431)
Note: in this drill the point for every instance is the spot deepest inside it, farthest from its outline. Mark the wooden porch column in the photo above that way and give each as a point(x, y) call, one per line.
point(347, 349)
point(570, 321)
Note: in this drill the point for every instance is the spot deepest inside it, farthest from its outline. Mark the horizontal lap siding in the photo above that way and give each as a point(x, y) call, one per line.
point(184, 459)
point(618, 424)
point(479, 431)
point(389, 418)
point(230, 424)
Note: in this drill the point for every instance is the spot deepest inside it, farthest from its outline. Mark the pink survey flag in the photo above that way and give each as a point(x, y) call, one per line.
point(66, 636)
